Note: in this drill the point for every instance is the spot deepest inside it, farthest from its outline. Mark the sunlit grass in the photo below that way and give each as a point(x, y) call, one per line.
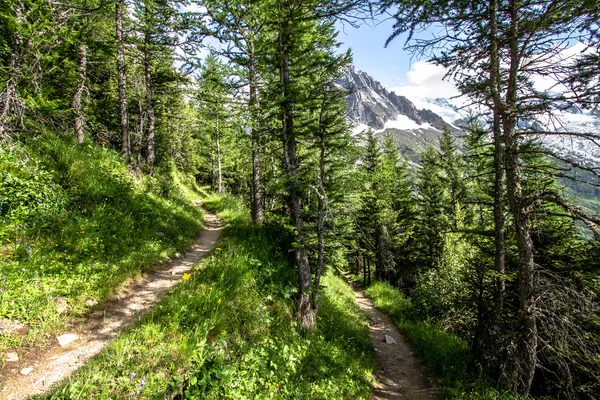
point(75, 225)
point(446, 355)
point(229, 332)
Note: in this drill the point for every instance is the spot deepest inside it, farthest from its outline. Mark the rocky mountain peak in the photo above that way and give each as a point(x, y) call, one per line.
point(372, 105)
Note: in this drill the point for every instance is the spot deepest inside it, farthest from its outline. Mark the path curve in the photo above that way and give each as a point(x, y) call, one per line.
point(400, 375)
point(54, 363)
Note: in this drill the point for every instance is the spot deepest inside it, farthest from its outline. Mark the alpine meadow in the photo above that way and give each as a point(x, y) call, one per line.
point(207, 199)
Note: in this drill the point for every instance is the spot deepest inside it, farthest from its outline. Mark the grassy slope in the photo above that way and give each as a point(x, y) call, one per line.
point(446, 355)
point(74, 225)
point(229, 332)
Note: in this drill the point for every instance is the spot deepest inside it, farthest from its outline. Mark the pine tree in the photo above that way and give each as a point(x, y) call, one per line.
point(213, 96)
point(432, 203)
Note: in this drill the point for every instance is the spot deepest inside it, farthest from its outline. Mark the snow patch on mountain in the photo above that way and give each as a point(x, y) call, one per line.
point(417, 121)
point(442, 107)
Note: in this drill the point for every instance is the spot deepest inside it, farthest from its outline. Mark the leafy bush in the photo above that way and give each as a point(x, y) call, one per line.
point(447, 356)
point(75, 225)
point(229, 332)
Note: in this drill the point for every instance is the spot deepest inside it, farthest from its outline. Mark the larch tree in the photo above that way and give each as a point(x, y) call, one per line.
point(240, 25)
point(120, 11)
point(214, 94)
point(492, 50)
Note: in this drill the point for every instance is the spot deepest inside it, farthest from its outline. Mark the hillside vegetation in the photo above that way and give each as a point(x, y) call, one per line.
point(112, 113)
point(75, 225)
point(229, 332)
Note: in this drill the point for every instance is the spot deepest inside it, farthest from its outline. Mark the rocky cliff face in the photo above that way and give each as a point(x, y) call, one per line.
point(417, 123)
point(373, 105)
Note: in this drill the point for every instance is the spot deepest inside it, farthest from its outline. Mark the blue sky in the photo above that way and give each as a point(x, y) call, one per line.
point(393, 66)
point(388, 65)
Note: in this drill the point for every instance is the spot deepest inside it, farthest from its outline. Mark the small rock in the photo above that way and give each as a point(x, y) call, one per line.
point(168, 259)
point(122, 311)
point(160, 234)
point(389, 340)
point(26, 371)
point(66, 339)
point(12, 357)
point(10, 325)
point(61, 304)
point(91, 302)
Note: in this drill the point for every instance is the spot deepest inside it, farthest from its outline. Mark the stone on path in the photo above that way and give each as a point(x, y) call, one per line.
point(91, 302)
point(61, 304)
point(26, 371)
point(66, 339)
point(10, 325)
point(12, 357)
point(389, 339)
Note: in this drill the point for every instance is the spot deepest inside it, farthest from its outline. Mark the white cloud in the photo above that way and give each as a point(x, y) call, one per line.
point(425, 80)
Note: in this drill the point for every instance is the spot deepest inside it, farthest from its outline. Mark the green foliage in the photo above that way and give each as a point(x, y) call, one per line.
point(229, 332)
point(76, 225)
point(447, 356)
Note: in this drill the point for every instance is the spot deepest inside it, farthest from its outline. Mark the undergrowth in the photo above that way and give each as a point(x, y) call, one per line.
point(75, 224)
point(446, 355)
point(228, 331)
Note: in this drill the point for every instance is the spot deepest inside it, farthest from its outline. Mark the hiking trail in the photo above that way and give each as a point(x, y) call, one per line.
point(400, 375)
point(39, 368)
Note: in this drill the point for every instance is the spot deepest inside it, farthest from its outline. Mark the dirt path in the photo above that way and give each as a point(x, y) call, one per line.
point(400, 375)
point(54, 363)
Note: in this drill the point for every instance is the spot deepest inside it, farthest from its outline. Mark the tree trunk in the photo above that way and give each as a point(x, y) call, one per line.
point(526, 356)
point(378, 252)
point(528, 336)
point(10, 95)
point(150, 156)
point(258, 212)
point(499, 175)
point(220, 188)
point(364, 259)
point(78, 117)
point(212, 172)
point(125, 145)
point(320, 225)
point(305, 312)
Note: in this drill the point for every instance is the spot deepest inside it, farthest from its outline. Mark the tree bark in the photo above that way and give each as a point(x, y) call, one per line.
point(526, 356)
point(364, 259)
point(499, 174)
point(305, 312)
point(320, 225)
point(258, 211)
point(150, 156)
point(10, 95)
point(220, 188)
point(78, 117)
point(125, 145)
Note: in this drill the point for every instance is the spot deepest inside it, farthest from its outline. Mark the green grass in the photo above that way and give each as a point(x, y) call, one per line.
point(229, 332)
point(75, 224)
point(446, 355)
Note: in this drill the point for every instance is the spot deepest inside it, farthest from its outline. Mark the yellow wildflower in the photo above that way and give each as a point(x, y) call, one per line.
point(219, 249)
point(219, 301)
point(186, 276)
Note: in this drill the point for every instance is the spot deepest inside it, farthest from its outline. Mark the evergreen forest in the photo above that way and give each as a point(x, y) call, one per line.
point(124, 123)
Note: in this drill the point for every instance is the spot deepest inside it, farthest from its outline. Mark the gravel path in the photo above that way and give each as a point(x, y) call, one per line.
point(400, 375)
point(51, 364)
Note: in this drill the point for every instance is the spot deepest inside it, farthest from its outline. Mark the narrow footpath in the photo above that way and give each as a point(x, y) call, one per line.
point(38, 369)
point(400, 375)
